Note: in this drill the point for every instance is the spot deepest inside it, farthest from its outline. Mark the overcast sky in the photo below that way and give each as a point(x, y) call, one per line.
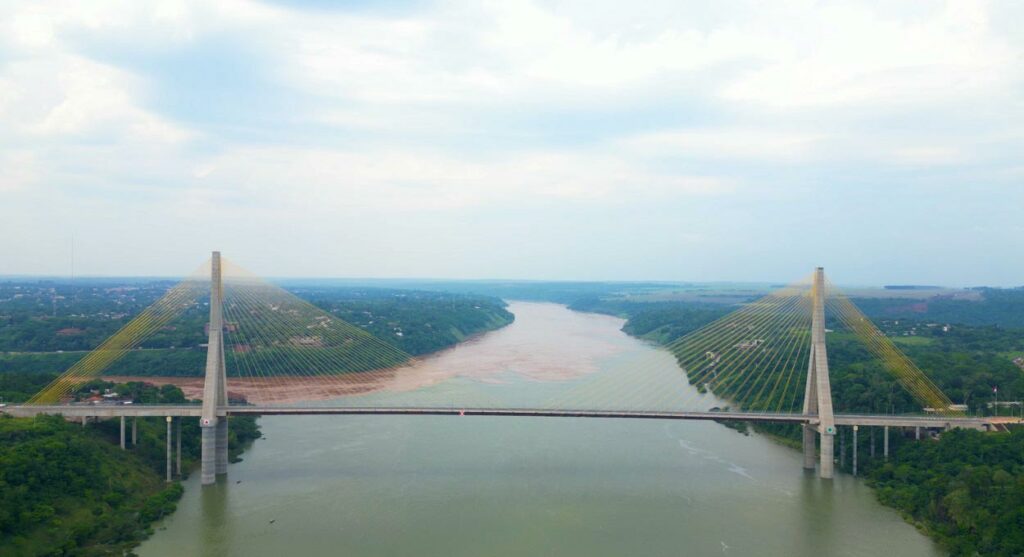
point(726, 140)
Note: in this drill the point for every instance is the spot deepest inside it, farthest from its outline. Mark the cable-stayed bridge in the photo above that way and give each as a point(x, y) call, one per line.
point(766, 362)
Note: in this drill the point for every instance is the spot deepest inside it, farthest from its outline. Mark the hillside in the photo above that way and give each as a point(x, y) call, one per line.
point(40, 333)
point(70, 490)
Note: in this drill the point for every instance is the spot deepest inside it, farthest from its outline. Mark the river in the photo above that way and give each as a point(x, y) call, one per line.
point(482, 486)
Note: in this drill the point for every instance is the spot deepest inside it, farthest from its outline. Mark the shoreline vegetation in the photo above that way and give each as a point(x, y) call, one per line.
point(70, 490)
point(964, 489)
point(417, 323)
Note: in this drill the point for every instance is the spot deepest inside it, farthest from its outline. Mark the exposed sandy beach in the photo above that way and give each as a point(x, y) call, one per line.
point(534, 347)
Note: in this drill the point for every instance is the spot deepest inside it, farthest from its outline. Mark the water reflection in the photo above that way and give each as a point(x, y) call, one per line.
point(215, 527)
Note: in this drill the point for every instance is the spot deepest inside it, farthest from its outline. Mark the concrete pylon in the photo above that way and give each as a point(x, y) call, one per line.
point(818, 391)
point(213, 422)
point(169, 419)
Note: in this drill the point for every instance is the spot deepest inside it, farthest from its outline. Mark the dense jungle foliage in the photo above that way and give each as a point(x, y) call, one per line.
point(66, 489)
point(997, 306)
point(966, 488)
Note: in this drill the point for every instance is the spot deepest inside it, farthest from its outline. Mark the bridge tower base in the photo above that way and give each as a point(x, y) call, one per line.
point(214, 421)
point(222, 446)
point(208, 448)
point(810, 447)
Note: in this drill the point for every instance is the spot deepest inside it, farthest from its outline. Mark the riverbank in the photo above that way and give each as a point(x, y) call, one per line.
point(483, 358)
point(70, 490)
point(962, 490)
point(366, 486)
point(66, 489)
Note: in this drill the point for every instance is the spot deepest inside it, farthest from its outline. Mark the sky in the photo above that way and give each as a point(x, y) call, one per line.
point(578, 140)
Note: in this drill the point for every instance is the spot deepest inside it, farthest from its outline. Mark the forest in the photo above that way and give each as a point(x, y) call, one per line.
point(994, 306)
point(70, 490)
point(47, 327)
point(966, 489)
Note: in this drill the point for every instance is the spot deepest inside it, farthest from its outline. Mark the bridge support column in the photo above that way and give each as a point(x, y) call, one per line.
point(810, 451)
point(208, 454)
point(871, 436)
point(178, 463)
point(828, 455)
point(885, 442)
point(135, 431)
point(222, 445)
point(854, 450)
point(122, 433)
point(842, 448)
point(169, 449)
point(917, 433)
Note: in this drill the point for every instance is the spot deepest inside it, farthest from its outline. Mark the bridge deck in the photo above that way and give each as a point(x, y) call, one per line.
point(191, 410)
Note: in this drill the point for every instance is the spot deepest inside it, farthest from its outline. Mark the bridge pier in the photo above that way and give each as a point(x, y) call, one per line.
point(885, 442)
point(855, 450)
point(222, 446)
point(828, 455)
point(871, 435)
point(208, 456)
point(810, 451)
point(842, 448)
point(122, 433)
point(169, 448)
point(178, 464)
point(135, 431)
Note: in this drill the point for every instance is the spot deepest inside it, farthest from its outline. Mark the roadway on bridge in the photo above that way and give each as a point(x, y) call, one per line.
point(195, 410)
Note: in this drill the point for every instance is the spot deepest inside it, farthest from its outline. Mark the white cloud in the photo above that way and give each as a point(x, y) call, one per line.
point(18, 170)
point(785, 55)
point(723, 143)
point(86, 98)
point(323, 180)
point(48, 89)
point(927, 155)
point(849, 54)
point(48, 23)
point(456, 109)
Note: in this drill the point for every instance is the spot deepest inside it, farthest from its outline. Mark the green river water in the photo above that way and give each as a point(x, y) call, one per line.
point(480, 486)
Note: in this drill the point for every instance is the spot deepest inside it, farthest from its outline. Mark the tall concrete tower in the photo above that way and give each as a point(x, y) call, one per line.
point(214, 422)
point(818, 392)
